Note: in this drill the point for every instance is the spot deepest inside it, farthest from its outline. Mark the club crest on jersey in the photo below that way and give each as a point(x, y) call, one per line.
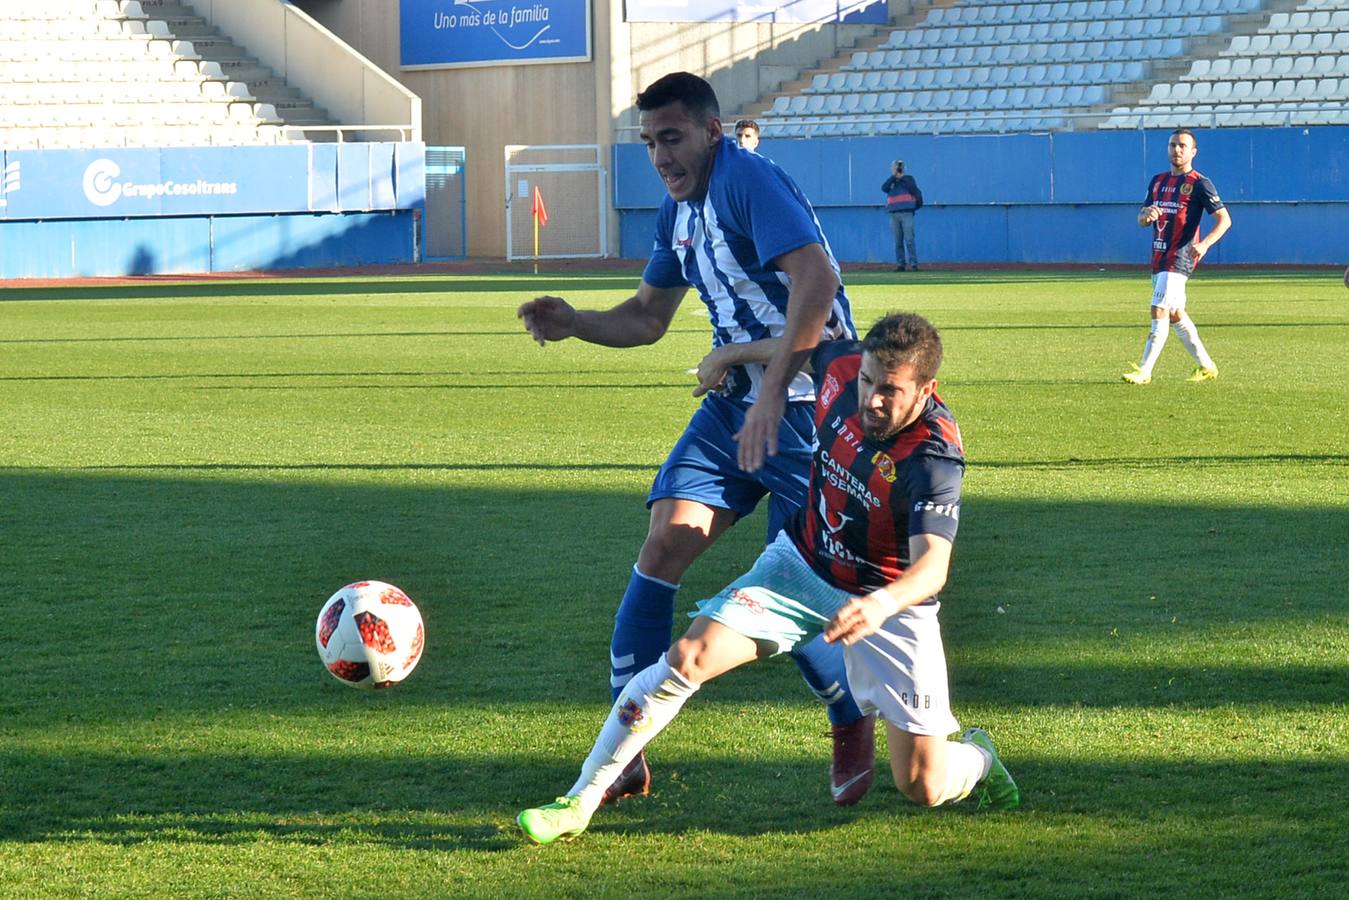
point(829, 391)
point(1186, 189)
point(885, 465)
point(631, 715)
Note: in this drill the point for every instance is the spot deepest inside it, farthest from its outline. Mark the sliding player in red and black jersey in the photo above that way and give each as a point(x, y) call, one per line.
point(1174, 204)
point(861, 563)
point(888, 465)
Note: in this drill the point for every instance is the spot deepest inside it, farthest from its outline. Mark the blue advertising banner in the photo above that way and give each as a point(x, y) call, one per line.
point(439, 34)
point(856, 12)
point(190, 181)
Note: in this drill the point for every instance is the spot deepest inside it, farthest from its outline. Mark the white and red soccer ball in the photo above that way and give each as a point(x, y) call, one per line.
point(369, 635)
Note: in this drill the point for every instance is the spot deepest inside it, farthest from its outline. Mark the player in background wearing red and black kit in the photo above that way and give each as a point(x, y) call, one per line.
point(862, 562)
point(1175, 202)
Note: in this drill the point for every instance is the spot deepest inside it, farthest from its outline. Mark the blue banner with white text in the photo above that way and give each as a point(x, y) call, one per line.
point(438, 34)
point(190, 181)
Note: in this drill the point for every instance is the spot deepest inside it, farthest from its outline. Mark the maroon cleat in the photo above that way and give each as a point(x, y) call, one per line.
point(635, 781)
point(854, 767)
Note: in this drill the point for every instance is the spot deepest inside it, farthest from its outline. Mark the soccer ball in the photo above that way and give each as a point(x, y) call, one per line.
point(369, 635)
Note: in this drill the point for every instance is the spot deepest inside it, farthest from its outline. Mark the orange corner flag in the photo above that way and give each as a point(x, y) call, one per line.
point(539, 210)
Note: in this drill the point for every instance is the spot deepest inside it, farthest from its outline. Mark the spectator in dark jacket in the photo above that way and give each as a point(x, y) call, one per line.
point(902, 200)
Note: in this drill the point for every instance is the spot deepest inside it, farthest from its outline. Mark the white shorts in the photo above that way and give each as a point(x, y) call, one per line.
point(1168, 291)
point(899, 672)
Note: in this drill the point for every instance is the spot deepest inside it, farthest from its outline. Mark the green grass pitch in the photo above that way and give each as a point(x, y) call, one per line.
point(1147, 607)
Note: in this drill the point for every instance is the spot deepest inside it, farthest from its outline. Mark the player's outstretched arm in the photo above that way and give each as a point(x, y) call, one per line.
point(862, 616)
point(814, 285)
point(641, 319)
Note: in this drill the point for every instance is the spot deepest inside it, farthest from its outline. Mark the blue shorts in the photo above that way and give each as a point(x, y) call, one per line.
point(703, 466)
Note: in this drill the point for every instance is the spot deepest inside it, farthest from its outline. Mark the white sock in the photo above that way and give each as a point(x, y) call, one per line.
point(966, 766)
point(1189, 336)
point(1152, 347)
point(649, 702)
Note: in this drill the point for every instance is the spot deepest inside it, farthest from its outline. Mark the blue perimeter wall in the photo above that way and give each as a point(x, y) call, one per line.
point(109, 212)
point(1069, 197)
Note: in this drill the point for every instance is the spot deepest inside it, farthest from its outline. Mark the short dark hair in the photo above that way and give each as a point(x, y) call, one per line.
point(746, 124)
point(1193, 140)
point(900, 338)
point(682, 87)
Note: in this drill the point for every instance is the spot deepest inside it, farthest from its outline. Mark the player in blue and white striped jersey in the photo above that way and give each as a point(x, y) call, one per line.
point(738, 230)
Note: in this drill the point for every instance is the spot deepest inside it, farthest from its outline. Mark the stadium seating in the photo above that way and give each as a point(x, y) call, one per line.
point(105, 73)
point(991, 65)
point(1292, 71)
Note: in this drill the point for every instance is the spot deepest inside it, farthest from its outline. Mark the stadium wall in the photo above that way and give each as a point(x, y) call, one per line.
point(484, 108)
point(109, 212)
point(1068, 197)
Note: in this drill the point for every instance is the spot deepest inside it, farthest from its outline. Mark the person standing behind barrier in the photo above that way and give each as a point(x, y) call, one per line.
point(747, 134)
point(902, 200)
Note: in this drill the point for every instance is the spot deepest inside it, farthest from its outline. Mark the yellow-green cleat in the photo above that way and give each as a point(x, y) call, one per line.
point(1203, 374)
point(563, 818)
point(997, 790)
point(1137, 377)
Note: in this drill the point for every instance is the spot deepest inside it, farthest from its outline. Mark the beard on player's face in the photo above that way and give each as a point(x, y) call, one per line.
point(889, 400)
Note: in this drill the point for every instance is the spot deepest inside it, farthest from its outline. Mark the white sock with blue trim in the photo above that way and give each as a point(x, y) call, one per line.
point(649, 702)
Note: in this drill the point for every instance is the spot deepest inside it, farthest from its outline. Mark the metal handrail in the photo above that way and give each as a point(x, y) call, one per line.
point(868, 124)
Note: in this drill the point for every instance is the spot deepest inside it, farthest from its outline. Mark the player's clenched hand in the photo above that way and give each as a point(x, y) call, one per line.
point(758, 436)
point(711, 371)
point(859, 617)
point(548, 319)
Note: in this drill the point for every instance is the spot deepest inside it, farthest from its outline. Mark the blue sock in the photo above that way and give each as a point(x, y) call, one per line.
point(821, 665)
point(642, 628)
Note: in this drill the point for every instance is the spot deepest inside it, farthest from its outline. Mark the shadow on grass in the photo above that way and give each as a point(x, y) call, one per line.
point(319, 335)
point(146, 593)
point(468, 802)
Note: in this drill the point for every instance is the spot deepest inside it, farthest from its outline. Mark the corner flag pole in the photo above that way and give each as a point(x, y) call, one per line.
point(540, 213)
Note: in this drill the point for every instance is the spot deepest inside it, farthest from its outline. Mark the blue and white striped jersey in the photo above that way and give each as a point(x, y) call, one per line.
point(723, 245)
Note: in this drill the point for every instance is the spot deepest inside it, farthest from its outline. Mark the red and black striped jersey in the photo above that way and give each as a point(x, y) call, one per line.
point(1182, 200)
point(866, 498)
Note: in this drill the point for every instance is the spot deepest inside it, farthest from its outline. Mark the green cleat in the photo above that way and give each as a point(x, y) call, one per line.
point(564, 818)
point(1137, 377)
point(1202, 374)
point(997, 790)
